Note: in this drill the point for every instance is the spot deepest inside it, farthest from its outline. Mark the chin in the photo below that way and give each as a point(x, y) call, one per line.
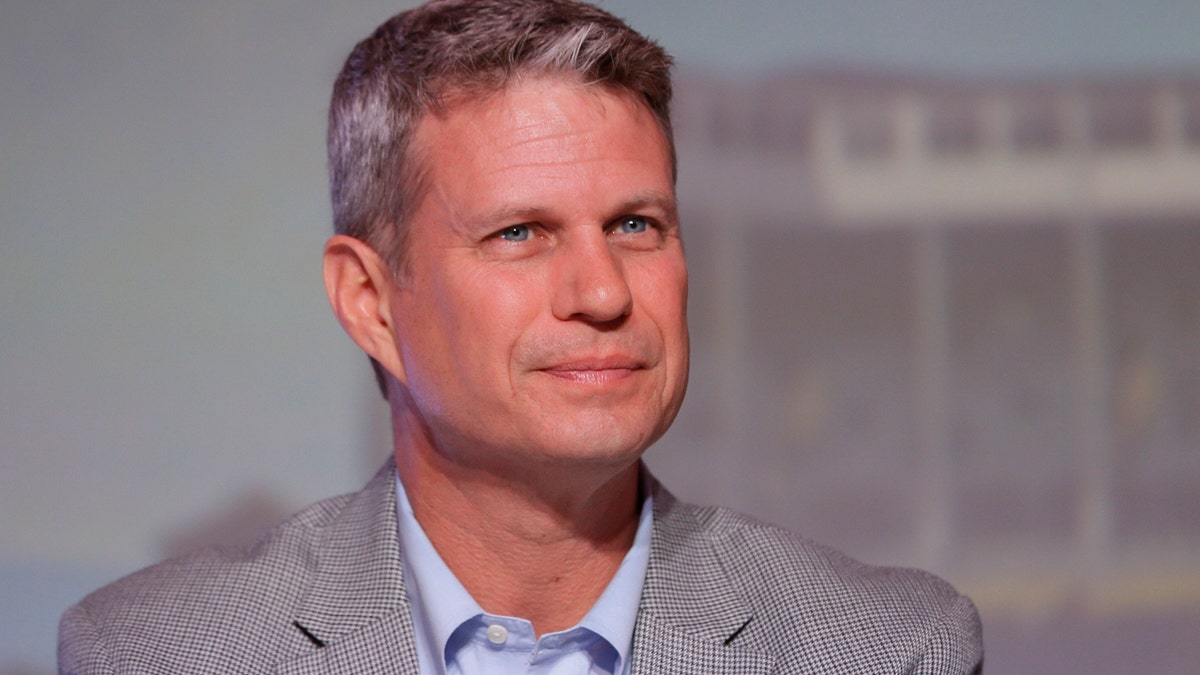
point(601, 446)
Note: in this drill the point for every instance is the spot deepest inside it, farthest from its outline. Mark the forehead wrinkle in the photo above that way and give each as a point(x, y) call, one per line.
point(538, 133)
point(554, 162)
point(536, 126)
point(534, 141)
point(563, 166)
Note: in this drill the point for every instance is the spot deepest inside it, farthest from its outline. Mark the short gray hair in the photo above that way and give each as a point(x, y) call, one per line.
point(419, 60)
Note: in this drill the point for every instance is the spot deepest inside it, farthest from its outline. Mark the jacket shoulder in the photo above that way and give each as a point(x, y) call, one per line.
point(822, 609)
point(195, 607)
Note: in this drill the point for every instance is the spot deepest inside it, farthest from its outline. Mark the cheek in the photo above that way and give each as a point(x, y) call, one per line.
point(494, 310)
point(664, 296)
point(670, 288)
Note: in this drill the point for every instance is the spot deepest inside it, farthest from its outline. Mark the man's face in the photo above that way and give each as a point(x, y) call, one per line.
point(542, 314)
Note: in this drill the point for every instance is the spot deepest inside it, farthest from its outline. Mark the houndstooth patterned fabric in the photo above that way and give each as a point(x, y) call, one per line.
point(727, 594)
point(324, 593)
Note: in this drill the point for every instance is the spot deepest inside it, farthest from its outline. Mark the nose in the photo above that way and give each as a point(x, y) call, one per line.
point(589, 282)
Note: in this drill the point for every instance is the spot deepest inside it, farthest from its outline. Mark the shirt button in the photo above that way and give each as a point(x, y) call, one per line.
point(496, 634)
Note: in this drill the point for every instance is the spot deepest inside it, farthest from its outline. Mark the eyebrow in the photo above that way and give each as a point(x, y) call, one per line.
point(653, 198)
point(663, 201)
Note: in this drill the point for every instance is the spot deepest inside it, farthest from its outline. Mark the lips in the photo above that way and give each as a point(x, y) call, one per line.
point(605, 363)
point(595, 370)
point(587, 357)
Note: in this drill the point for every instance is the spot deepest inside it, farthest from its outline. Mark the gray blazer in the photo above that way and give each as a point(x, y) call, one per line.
point(324, 593)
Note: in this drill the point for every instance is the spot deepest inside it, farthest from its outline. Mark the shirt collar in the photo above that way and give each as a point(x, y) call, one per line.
point(615, 612)
point(612, 617)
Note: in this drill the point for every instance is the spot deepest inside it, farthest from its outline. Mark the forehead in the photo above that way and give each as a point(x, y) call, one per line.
point(523, 97)
point(543, 125)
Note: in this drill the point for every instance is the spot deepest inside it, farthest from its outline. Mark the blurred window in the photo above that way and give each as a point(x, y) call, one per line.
point(867, 128)
point(1121, 117)
point(1036, 123)
point(954, 125)
point(784, 128)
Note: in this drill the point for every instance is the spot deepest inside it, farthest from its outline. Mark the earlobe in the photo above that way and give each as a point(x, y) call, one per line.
point(360, 287)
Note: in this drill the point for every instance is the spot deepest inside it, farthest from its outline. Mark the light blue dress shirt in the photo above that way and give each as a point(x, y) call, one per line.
point(454, 636)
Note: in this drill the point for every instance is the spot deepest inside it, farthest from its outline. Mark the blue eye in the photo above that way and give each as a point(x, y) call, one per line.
point(515, 233)
point(633, 225)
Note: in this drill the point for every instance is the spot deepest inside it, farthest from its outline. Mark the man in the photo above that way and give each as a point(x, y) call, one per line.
point(509, 256)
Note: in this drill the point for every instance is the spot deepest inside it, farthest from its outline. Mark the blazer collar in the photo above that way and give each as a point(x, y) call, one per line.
point(692, 618)
point(356, 607)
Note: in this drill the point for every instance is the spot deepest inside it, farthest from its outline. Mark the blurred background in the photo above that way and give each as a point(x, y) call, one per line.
point(945, 296)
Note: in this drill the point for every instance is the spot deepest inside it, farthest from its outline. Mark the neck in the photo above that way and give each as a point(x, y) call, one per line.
point(542, 545)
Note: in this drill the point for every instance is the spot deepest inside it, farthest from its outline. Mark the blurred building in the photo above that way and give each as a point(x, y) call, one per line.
point(953, 323)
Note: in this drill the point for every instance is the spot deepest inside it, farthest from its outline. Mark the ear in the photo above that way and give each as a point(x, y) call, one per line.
point(360, 286)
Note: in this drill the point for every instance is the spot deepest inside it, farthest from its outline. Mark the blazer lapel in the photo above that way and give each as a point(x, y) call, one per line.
point(356, 611)
point(659, 648)
point(384, 646)
point(691, 619)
